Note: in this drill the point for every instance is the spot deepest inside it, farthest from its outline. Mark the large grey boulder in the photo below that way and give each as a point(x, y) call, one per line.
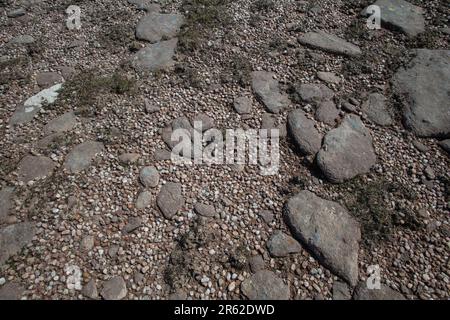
point(362, 292)
point(400, 15)
point(347, 151)
point(170, 200)
point(31, 106)
point(314, 93)
point(81, 156)
point(267, 90)
point(327, 112)
point(329, 43)
point(156, 26)
point(327, 230)
point(155, 56)
point(424, 85)
point(303, 132)
point(375, 107)
point(13, 238)
point(34, 167)
point(265, 285)
point(63, 123)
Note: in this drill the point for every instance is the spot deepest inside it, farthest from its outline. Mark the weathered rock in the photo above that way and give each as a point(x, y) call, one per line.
point(21, 40)
point(13, 238)
point(327, 112)
point(144, 200)
point(34, 167)
point(114, 289)
point(6, 195)
point(400, 15)
point(149, 176)
point(63, 123)
point(376, 110)
point(170, 200)
point(303, 132)
point(267, 216)
point(81, 156)
point(256, 263)
point(156, 26)
point(265, 285)
point(205, 210)
point(87, 243)
point(445, 144)
point(347, 151)
point(151, 107)
point(329, 77)
point(155, 56)
point(424, 86)
point(327, 230)
point(90, 290)
point(384, 293)
point(267, 90)
point(329, 43)
point(243, 105)
point(314, 93)
point(31, 106)
point(281, 245)
point(162, 154)
point(11, 291)
point(129, 157)
point(133, 224)
point(47, 79)
point(206, 121)
point(341, 291)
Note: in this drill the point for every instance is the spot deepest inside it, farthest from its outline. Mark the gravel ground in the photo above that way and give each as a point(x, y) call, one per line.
point(80, 217)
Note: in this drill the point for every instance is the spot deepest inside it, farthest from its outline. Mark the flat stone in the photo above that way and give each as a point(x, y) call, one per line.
point(90, 290)
point(129, 158)
point(329, 77)
point(13, 238)
point(81, 156)
point(21, 40)
point(205, 210)
point(314, 93)
point(347, 151)
point(424, 86)
point(282, 245)
point(63, 123)
point(256, 263)
point(329, 43)
point(328, 231)
point(133, 224)
point(268, 92)
point(327, 112)
point(243, 105)
point(149, 176)
point(445, 144)
point(267, 216)
point(156, 26)
point(303, 132)
point(16, 13)
point(114, 289)
point(170, 200)
point(155, 56)
point(341, 291)
point(151, 107)
point(384, 293)
point(144, 200)
point(162, 154)
point(87, 243)
point(47, 79)
point(206, 121)
point(376, 110)
point(400, 15)
point(6, 195)
point(34, 167)
point(31, 106)
point(11, 291)
point(265, 285)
